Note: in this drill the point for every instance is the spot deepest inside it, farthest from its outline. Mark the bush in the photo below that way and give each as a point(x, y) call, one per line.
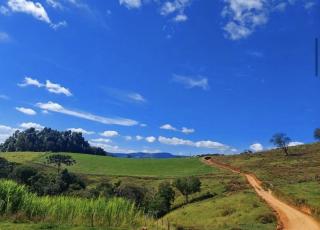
point(267, 218)
point(228, 211)
point(23, 174)
point(132, 192)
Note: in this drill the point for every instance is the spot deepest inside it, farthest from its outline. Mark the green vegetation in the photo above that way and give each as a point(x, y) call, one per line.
point(236, 210)
point(294, 178)
point(116, 212)
point(148, 183)
point(58, 160)
point(102, 165)
point(188, 186)
point(49, 140)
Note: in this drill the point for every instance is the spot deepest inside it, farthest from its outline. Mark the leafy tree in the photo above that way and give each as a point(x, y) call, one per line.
point(161, 203)
point(188, 186)
point(281, 140)
point(23, 174)
point(6, 168)
point(132, 192)
point(317, 134)
point(58, 160)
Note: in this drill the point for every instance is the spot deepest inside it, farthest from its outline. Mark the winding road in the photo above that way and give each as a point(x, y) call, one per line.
point(289, 218)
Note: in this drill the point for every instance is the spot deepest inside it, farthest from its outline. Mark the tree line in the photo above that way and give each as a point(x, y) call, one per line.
point(49, 140)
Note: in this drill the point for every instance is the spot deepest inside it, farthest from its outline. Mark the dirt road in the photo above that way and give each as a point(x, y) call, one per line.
point(289, 217)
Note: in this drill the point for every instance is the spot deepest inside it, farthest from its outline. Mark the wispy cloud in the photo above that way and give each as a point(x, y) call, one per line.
point(176, 7)
point(131, 4)
point(26, 111)
point(55, 107)
point(50, 86)
point(81, 130)
point(295, 143)
point(4, 97)
point(4, 37)
point(126, 96)
point(172, 128)
point(192, 82)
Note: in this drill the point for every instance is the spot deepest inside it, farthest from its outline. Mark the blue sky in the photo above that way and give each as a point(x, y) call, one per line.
point(180, 76)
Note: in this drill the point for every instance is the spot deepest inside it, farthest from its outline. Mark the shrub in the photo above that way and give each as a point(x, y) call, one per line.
point(228, 211)
point(23, 174)
point(267, 218)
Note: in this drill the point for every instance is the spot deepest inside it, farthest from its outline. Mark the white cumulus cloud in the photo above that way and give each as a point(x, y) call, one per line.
point(28, 125)
point(151, 139)
point(5, 132)
point(256, 147)
point(187, 130)
point(80, 130)
point(295, 143)
point(26, 111)
point(168, 127)
point(109, 133)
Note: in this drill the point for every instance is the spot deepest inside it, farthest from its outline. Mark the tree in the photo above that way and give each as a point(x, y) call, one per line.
point(23, 174)
point(162, 201)
point(281, 140)
point(317, 134)
point(58, 160)
point(188, 186)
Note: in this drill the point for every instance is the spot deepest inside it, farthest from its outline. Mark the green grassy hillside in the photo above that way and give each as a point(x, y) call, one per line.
point(101, 165)
point(294, 178)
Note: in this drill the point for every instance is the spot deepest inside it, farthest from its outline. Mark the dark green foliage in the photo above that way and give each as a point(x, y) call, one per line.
point(316, 134)
point(6, 168)
point(133, 193)
point(281, 140)
point(58, 160)
point(188, 186)
point(49, 140)
point(267, 218)
point(162, 201)
point(23, 174)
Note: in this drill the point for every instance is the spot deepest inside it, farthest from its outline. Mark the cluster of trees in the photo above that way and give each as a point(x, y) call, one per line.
point(49, 140)
point(156, 203)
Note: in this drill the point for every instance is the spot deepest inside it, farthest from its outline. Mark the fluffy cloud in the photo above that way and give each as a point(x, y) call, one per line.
point(109, 133)
point(198, 144)
point(139, 138)
point(168, 127)
point(29, 7)
point(190, 82)
point(5, 132)
point(187, 130)
point(176, 7)
point(257, 147)
point(151, 139)
point(81, 130)
point(128, 138)
point(295, 143)
point(57, 89)
point(28, 125)
point(55, 107)
point(34, 9)
point(244, 16)
point(50, 86)
point(26, 111)
point(172, 128)
point(130, 4)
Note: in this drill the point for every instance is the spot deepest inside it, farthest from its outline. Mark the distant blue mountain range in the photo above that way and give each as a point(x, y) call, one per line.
point(145, 155)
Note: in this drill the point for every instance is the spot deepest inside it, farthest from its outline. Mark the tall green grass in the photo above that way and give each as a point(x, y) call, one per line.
point(16, 200)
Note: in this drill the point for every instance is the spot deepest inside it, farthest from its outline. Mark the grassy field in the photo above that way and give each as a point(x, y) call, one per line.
point(231, 192)
point(101, 165)
point(293, 178)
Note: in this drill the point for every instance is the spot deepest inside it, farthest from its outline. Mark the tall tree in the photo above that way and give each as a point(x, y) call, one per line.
point(58, 160)
point(316, 134)
point(281, 140)
point(188, 186)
